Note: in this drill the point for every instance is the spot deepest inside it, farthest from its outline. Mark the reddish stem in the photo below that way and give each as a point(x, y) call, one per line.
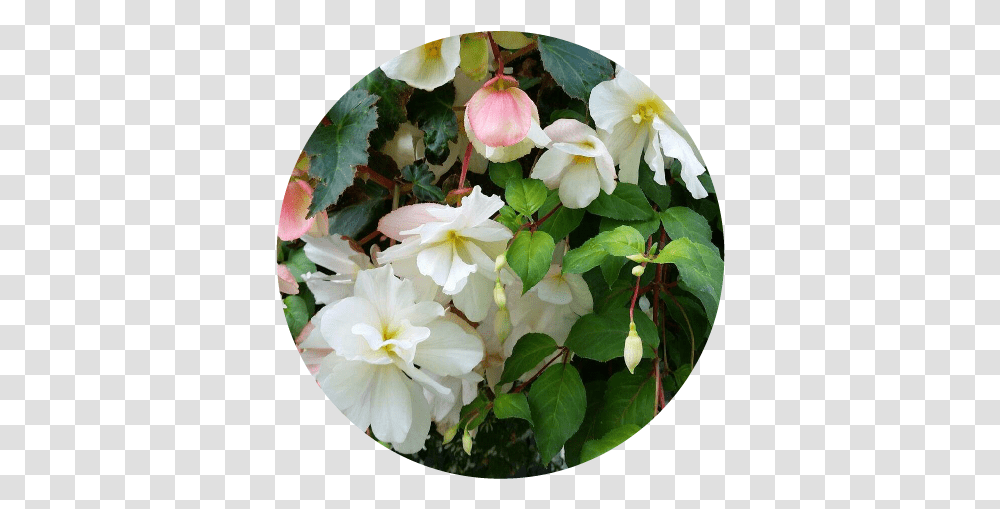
point(369, 237)
point(377, 177)
point(496, 52)
point(465, 165)
point(523, 51)
point(521, 387)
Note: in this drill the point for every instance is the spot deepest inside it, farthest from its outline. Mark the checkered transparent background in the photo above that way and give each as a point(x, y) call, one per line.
point(143, 155)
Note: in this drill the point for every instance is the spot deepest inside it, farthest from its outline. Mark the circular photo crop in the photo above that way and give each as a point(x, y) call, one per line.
point(500, 254)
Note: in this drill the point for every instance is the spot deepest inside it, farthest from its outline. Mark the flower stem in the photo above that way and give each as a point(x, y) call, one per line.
point(378, 178)
point(564, 351)
point(496, 52)
point(523, 51)
point(465, 165)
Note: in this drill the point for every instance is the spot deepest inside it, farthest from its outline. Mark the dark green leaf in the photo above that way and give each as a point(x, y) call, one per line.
point(338, 147)
point(611, 267)
point(298, 263)
point(432, 112)
point(601, 337)
point(611, 439)
point(473, 414)
point(629, 399)
point(706, 182)
point(511, 405)
point(422, 178)
point(700, 271)
point(526, 82)
point(530, 349)
point(673, 382)
point(595, 400)
point(658, 193)
point(562, 221)
point(575, 68)
point(680, 222)
point(358, 218)
point(526, 195)
point(567, 113)
point(530, 256)
point(391, 107)
point(626, 203)
point(500, 173)
point(296, 314)
point(558, 403)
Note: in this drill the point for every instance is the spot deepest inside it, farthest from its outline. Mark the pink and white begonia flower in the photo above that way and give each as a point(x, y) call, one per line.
point(428, 66)
point(455, 246)
point(379, 336)
point(632, 120)
point(293, 223)
point(501, 121)
point(577, 163)
point(286, 281)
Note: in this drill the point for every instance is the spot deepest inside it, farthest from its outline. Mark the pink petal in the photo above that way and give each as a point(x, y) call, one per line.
point(406, 218)
point(306, 331)
point(567, 130)
point(292, 223)
point(286, 281)
point(500, 114)
point(321, 226)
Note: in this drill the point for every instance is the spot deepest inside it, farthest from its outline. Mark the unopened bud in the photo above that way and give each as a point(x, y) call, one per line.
point(450, 433)
point(467, 442)
point(633, 348)
point(638, 270)
point(502, 325)
point(499, 295)
point(501, 262)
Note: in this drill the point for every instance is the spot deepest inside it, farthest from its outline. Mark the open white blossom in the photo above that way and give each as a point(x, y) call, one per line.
point(577, 163)
point(446, 408)
point(379, 336)
point(454, 246)
point(428, 66)
point(631, 119)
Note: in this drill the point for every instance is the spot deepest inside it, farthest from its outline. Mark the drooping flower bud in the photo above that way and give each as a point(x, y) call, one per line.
point(450, 433)
point(467, 442)
point(633, 348)
point(501, 262)
point(502, 325)
point(499, 295)
point(638, 270)
point(501, 121)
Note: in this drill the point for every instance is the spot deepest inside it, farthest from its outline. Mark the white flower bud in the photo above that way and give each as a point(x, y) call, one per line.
point(467, 442)
point(633, 348)
point(502, 325)
point(638, 270)
point(499, 296)
point(450, 433)
point(501, 261)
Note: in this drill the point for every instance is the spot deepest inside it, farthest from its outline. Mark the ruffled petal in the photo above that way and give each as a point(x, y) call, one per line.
point(449, 350)
point(406, 219)
point(335, 253)
point(476, 297)
point(610, 105)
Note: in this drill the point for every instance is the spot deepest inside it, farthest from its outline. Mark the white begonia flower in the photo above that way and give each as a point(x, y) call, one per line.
point(454, 246)
point(428, 66)
point(577, 163)
point(632, 119)
point(338, 255)
point(379, 336)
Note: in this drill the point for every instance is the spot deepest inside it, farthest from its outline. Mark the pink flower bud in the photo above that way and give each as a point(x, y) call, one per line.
point(501, 121)
point(293, 223)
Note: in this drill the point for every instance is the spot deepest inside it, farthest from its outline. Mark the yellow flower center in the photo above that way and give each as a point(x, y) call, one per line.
point(433, 49)
point(582, 159)
point(644, 113)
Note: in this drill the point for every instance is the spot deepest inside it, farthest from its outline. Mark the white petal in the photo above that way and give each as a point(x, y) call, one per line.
point(337, 322)
point(405, 249)
point(335, 253)
point(449, 350)
point(391, 404)
point(537, 135)
point(477, 207)
point(554, 290)
point(421, 313)
point(638, 91)
point(329, 289)
point(348, 385)
point(654, 158)
point(674, 145)
point(583, 301)
point(550, 166)
point(610, 105)
point(625, 145)
point(442, 263)
point(406, 218)
point(475, 298)
point(488, 231)
point(421, 424)
point(606, 172)
point(570, 131)
point(580, 185)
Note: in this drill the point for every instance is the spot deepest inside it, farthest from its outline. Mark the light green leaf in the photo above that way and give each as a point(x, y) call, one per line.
point(530, 256)
point(340, 146)
point(587, 256)
point(700, 271)
point(629, 399)
point(558, 402)
point(645, 228)
point(623, 241)
point(562, 221)
point(526, 195)
point(391, 104)
point(510, 218)
point(298, 263)
point(511, 405)
point(626, 203)
point(680, 222)
point(296, 314)
point(614, 438)
point(530, 349)
point(432, 112)
point(501, 173)
point(601, 337)
point(575, 68)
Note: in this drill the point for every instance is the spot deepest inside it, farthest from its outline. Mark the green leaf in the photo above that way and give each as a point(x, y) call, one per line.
point(353, 220)
point(581, 259)
point(423, 178)
point(296, 314)
point(530, 256)
point(626, 203)
point(567, 113)
point(501, 173)
point(432, 112)
point(700, 271)
point(575, 68)
point(391, 104)
point(706, 182)
point(338, 147)
point(611, 267)
point(510, 218)
point(623, 241)
point(558, 403)
point(595, 401)
point(614, 438)
point(298, 263)
point(511, 405)
point(526, 195)
point(658, 193)
point(680, 222)
point(562, 221)
point(645, 228)
point(676, 379)
point(629, 399)
point(530, 349)
point(526, 82)
point(473, 414)
point(601, 336)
